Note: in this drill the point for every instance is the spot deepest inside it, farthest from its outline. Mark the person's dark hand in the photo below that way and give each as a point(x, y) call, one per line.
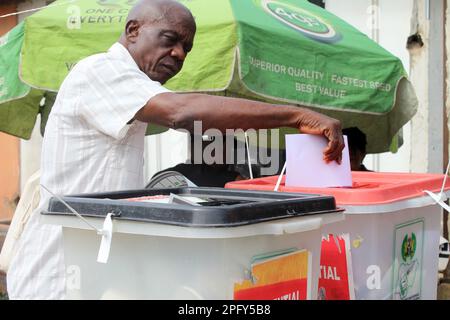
point(315, 123)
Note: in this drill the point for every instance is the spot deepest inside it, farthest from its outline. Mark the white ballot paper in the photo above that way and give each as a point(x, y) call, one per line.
point(305, 166)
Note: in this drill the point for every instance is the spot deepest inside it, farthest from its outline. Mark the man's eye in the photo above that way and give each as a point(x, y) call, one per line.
point(170, 38)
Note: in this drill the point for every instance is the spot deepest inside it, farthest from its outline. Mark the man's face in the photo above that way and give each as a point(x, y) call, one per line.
point(161, 47)
point(356, 159)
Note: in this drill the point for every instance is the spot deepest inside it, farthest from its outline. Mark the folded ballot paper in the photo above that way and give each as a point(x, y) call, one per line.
point(305, 166)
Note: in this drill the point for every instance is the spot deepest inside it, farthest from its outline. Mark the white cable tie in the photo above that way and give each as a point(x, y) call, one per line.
point(73, 210)
point(280, 178)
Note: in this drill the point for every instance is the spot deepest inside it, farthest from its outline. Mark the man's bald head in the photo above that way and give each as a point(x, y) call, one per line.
point(154, 11)
point(159, 34)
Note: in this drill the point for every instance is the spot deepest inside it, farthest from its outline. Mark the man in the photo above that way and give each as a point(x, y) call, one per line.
point(357, 148)
point(95, 133)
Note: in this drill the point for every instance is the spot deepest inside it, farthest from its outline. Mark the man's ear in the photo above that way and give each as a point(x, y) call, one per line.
point(132, 30)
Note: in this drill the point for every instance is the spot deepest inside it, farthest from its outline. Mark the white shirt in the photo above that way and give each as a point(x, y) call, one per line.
point(88, 147)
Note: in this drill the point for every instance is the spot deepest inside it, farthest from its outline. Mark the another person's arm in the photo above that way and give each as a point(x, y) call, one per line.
point(181, 110)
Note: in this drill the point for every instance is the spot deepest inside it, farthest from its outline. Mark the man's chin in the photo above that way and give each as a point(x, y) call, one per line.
point(160, 78)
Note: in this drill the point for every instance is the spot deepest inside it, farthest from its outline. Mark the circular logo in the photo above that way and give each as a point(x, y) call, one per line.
point(302, 20)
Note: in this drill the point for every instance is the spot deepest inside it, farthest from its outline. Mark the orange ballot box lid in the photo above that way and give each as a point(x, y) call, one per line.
point(369, 188)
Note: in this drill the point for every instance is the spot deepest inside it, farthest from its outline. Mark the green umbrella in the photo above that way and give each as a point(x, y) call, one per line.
point(284, 51)
point(19, 104)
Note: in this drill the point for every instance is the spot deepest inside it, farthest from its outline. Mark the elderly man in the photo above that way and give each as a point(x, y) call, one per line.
point(94, 137)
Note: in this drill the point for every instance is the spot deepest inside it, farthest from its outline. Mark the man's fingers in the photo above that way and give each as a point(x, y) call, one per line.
point(334, 149)
point(330, 128)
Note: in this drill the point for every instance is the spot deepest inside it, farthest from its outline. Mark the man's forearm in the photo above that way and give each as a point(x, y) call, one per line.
point(180, 111)
point(233, 113)
point(217, 112)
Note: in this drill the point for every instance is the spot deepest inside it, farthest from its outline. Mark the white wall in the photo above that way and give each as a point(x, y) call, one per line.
point(419, 72)
point(393, 30)
point(163, 151)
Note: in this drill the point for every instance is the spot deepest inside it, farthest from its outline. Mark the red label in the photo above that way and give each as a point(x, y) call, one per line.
point(335, 273)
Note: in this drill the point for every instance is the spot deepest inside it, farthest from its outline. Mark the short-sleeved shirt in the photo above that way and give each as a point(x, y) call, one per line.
point(91, 144)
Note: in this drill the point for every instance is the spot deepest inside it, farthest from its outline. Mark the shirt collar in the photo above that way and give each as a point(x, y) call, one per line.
point(119, 51)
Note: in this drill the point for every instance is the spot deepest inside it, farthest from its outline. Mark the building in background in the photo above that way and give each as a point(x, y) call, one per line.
point(387, 23)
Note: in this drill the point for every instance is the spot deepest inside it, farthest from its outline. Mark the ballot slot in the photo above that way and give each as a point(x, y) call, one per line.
point(189, 200)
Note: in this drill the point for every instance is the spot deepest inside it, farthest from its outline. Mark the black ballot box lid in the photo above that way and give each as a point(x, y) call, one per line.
point(194, 207)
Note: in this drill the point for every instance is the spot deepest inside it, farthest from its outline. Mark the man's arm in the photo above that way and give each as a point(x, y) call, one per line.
point(181, 110)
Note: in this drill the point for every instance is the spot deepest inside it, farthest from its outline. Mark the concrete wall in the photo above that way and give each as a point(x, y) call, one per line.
point(388, 23)
point(429, 127)
point(419, 77)
point(447, 69)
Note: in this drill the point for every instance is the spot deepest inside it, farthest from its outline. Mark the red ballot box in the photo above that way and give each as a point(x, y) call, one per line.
point(394, 230)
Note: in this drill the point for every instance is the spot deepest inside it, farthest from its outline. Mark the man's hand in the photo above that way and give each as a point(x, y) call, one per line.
point(181, 110)
point(316, 123)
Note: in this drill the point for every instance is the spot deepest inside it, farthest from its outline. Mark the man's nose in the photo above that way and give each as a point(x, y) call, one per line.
point(178, 51)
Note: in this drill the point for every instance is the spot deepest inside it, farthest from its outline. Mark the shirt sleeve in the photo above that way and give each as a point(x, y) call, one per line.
point(113, 92)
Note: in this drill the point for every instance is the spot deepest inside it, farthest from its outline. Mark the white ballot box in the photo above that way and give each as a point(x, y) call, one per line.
point(211, 244)
point(394, 228)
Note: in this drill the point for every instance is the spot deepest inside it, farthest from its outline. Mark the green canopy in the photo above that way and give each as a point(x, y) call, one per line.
point(19, 104)
point(284, 51)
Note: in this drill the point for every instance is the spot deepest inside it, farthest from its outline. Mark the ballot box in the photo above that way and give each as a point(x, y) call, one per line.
point(394, 228)
point(193, 243)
